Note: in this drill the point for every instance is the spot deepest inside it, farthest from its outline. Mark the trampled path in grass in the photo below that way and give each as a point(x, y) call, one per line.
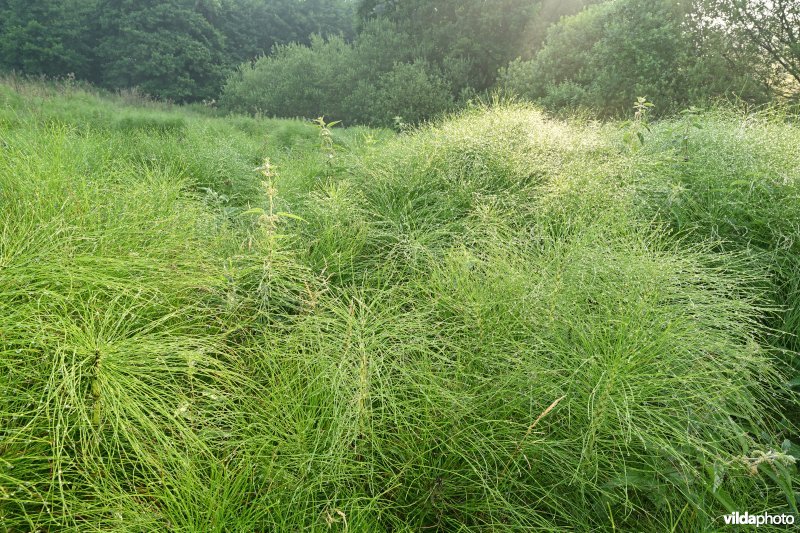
point(500, 321)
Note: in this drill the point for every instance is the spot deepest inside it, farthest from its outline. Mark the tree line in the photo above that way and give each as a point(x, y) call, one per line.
point(180, 50)
point(386, 61)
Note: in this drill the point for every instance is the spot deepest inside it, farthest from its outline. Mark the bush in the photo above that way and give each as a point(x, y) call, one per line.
point(413, 91)
point(368, 82)
point(606, 56)
point(293, 82)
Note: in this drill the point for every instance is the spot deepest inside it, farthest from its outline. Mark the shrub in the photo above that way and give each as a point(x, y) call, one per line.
point(413, 91)
point(296, 81)
point(607, 55)
point(369, 82)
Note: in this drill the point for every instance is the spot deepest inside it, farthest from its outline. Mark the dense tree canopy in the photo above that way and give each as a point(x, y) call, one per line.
point(169, 48)
point(176, 49)
point(483, 35)
point(253, 27)
point(549, 12)
point(609, 54)
point(772, 27)
point(50, 37)
point(412, 58)
point(370, 60)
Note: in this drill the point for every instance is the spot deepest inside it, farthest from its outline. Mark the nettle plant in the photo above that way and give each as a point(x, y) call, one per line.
point(269, 218)
point(400, 125)
point(692, 120)
point(326, 137)
point(634, 136)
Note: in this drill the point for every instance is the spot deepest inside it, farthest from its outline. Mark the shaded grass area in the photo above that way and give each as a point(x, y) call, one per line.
point(499, 322)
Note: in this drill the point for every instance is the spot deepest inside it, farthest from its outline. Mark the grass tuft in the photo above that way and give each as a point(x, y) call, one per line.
point(500, 321)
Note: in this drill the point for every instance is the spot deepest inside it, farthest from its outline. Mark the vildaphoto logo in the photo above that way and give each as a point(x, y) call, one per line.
point(747, 519)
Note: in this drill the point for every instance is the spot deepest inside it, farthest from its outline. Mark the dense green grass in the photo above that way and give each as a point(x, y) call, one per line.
point(498, 322)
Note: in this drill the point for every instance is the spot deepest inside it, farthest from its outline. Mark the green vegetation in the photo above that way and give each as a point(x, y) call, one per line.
point(609, 54)
point(768, 27)
point(499, 321)
point(369, 82)
point(598, 57)
point(181, 50)
point(437, 294)
point(370, 61)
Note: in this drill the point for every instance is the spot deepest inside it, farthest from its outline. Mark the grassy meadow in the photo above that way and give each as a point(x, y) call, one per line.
point(496, 322)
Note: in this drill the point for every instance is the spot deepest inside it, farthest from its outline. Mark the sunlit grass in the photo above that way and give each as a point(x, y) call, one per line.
point(499, 322)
